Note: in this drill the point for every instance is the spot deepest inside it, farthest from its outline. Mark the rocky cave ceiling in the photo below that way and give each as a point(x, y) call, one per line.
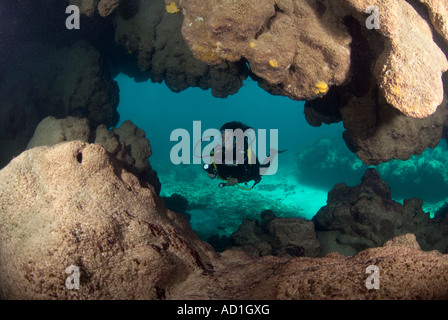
point(388, 85)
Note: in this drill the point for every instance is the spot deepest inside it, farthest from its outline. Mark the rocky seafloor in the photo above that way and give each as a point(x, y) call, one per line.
point(75, 190)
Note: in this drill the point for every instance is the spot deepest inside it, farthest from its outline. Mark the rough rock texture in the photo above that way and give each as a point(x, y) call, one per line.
point(439, 16)
point(285, 42)
point(405, 273)
point(73, 204)
point(130, 145)
point(386, 134)
point(409, 69)
point(57, 82)
point(379, 82)
point(77, 206)
point(303, 47)
point(382, 78)
point(51, 131)
point(153, 35)
point(365, 216)
point(375, 130)
point(126, 143)
point(86, 7)
point(385, 84)
point(106, 7)
point(284, 237)
point(134, 139)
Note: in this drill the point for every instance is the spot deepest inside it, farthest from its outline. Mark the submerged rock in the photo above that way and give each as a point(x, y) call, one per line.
point(90, 7)
point(154, 37)
point(127, 143)
point(404, 274)
point(89, 212)
point(384, 83)
point(285, 43)
point(327, 162)
point(365, 216)
point(387, 84)
point(285, 237)
point(73, 205)
point(52, 81)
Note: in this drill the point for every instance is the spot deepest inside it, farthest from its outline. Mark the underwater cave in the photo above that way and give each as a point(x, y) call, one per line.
point(87, 180)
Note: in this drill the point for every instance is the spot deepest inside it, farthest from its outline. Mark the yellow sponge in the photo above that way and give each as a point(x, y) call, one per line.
point(172, 8)
point(273, 63)
point(321, 87)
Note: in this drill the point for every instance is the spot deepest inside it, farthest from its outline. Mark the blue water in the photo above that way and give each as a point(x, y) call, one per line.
point(159, 111)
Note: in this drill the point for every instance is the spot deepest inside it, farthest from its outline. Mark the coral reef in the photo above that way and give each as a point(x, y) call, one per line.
point(84, 194)
point(303, 62)
point(87, 211)
point(424, 176)
point(327, 162)
point(375, 128)
point(365, 216)
point(127, 143)
point(220, 211)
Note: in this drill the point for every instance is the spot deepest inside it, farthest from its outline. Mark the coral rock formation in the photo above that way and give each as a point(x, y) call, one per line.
point(51, 131)
point(385, 83)
point(302, 48)
point(285, 43)
point(439, 16)
point(409, 70)
point(88, 211)
point(127, 143)
point(285, 237)
point(308, 48)
point(154, 36)
point(405, 273)
point(365, 216)
point(375, 129)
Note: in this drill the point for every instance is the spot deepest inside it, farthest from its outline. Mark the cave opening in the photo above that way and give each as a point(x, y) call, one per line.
point(212, 210)
point(316, 160)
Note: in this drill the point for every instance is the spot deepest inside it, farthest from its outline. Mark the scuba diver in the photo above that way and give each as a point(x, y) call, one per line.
point(243, 166)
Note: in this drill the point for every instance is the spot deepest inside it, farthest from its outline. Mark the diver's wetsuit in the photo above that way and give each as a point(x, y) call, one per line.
point(244, 172)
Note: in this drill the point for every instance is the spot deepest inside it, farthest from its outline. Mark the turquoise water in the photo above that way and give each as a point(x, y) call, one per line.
point(298, 189)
